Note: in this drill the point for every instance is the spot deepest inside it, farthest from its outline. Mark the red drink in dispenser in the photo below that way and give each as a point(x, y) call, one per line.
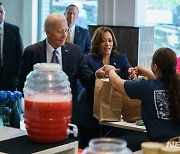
point(47, 116)
point(48, 104)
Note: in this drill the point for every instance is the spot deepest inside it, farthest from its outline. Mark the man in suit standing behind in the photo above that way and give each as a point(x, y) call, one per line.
point(77, 35)
point(11, 49)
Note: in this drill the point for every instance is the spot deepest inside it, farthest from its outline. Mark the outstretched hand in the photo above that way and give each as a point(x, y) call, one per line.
point(100, 73)
point(110, 67)
point(143, 71)
point(133, 73)
point(103, 72)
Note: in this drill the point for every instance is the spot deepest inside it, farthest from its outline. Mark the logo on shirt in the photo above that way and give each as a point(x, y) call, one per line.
point(161, 103)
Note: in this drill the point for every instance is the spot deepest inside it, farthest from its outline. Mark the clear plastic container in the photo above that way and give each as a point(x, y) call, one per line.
point(48, 103)
point(107, 146)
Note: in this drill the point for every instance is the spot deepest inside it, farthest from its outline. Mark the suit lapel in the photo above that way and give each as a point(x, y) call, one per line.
point(113, 61)
point(7, 33)
point(98, 63)
point(64, 51)
point(42, 52)
point(76, 35)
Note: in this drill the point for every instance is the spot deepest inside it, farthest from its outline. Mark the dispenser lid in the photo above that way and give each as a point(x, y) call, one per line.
point(47, 67)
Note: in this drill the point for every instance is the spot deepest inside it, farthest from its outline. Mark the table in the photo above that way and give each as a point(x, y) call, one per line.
point(7, 135)
point(124, 125)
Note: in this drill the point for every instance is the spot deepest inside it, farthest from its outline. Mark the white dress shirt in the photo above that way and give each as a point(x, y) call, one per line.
point(49, 52)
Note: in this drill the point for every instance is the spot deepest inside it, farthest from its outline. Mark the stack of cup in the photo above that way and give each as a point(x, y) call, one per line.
point(159, 148)
point(151, 147)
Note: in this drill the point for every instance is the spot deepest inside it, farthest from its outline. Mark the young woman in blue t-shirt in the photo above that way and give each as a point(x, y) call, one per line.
point(159, 94)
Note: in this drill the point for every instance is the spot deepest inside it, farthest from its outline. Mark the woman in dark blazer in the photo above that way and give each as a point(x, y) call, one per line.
point(104, 52)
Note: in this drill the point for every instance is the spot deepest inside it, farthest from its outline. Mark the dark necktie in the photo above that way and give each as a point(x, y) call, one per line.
point(68, 39)
point(55, 57)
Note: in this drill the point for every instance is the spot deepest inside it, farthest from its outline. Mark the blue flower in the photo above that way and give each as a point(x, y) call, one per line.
point(3, 97)
point(17, 94)
point(8, 97)
point(7, 100)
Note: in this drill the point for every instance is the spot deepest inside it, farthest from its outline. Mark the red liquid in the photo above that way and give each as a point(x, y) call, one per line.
point(47, 122)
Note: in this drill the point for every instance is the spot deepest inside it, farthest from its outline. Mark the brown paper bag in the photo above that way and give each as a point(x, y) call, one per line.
point(107, 102)
point(131, 109)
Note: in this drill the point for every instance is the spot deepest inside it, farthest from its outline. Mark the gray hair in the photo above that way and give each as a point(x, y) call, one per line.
point(53, 17)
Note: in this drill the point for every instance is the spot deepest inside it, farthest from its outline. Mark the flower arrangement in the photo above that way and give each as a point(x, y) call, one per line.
point(7, 103)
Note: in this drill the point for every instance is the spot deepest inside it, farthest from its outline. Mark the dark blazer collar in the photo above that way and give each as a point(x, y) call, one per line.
point(98, 62)
point(76, 33)
point(43, 56)
point(114, 61)
point(42, 51)
point(7, 35)
point(76, 28)
point(65, 53)
point(7, 28)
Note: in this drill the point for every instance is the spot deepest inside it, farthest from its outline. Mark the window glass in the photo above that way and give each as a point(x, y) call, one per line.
point(87, 12)
point(165, 15)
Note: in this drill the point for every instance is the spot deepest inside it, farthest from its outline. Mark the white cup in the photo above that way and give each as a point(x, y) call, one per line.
point(151, 147)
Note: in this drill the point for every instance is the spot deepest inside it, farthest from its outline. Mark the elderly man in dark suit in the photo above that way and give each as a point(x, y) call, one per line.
point(69, 56)
point(11, 50)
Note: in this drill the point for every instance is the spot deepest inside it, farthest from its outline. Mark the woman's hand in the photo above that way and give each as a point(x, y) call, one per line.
point(100, 73)
point(133, 73)
point(108, 68)
point(143, 71)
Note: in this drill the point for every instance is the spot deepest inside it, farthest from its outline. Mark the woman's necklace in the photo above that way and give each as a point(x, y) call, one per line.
point(106, 62)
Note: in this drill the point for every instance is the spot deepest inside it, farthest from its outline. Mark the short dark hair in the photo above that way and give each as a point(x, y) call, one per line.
point(1, 3)
point(71, 5)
